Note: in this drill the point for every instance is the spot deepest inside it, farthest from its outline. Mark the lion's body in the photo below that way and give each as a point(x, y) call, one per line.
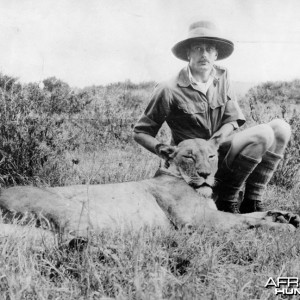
point(129, 204)
point(160, 201)
point(80, 207)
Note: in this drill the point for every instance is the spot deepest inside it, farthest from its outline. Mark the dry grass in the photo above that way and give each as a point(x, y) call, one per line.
point(152, 265)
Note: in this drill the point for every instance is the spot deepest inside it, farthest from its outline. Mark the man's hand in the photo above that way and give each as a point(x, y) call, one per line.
point(224, 131)
point(165, 151)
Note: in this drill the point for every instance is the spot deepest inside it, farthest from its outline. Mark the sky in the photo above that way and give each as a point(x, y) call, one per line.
point(96, 42)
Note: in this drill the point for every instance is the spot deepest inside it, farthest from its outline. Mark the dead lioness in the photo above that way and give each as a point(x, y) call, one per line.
point(179, 195)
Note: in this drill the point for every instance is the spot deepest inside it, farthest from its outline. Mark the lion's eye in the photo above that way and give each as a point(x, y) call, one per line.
point(212, 156)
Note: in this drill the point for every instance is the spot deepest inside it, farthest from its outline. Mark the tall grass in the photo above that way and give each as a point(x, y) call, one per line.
point(153, 265)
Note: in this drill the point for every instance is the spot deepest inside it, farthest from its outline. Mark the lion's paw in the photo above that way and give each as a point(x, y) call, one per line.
point(284, 217)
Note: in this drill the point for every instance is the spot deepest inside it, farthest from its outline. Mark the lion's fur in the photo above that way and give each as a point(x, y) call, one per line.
point(168, 198)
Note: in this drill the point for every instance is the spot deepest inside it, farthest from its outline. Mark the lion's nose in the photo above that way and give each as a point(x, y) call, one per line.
point(204, 174)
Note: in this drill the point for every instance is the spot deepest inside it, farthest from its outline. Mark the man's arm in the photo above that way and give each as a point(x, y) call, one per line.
point(147, 141)
point(157, 111)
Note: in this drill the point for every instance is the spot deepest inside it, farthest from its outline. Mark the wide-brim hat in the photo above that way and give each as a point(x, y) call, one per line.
point(206, 32)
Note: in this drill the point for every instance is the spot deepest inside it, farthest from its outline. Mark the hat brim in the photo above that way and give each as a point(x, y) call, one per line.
point(224, 47)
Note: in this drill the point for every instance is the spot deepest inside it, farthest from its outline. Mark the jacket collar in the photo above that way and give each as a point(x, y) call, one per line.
point(183, 79)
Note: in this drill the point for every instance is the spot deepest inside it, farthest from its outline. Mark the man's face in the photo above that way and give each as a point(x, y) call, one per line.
point(202, 56)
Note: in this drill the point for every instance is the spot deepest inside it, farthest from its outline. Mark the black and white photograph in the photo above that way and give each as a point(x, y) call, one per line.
point(149, 149)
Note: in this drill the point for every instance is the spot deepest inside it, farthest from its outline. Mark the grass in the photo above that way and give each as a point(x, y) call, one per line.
point(149, 264)
point(153, 265)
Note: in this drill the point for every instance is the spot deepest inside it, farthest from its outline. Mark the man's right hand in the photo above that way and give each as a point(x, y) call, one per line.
point(152, 144)
point(165, 151)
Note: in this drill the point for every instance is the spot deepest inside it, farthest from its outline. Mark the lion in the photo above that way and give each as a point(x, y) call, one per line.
point(180, 196)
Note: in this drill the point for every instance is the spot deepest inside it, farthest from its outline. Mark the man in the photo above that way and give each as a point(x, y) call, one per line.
point(199, 103)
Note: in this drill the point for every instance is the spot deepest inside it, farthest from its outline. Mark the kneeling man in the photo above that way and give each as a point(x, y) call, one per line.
point(199, 103)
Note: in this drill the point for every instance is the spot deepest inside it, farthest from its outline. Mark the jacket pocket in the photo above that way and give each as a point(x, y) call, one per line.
point(218, 102)
point(193, 108)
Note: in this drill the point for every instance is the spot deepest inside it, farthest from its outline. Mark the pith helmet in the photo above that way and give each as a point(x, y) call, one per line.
point(206, 32)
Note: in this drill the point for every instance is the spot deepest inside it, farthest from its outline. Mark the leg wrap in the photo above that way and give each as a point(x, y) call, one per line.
point(258, 180)
point(230, 180)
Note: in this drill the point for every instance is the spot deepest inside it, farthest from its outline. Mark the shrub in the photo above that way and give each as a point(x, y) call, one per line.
point(59, 98)
point(27, 144)
point(33, 127)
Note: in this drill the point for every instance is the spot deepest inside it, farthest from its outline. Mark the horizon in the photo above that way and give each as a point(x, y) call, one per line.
point(104, 41)
point(124, 81)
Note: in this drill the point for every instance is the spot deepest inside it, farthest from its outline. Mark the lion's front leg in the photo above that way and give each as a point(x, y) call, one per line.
point(273, 218)
point(283, 217)
point(270, 219)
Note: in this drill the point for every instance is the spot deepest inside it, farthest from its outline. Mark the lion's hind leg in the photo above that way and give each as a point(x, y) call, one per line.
point(35, 206)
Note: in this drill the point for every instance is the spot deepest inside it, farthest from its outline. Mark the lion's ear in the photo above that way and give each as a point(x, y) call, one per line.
point(165, 151)
point(217, 139)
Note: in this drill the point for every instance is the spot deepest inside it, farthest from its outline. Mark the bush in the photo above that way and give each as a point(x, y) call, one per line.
point(33, 127)
point(277, 92)
point(59, 98)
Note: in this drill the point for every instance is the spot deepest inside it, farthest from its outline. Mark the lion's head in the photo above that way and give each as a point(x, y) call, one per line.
point(195, 160)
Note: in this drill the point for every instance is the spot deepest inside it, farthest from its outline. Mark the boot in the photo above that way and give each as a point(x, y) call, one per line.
point(257, 182)
point(229, 181)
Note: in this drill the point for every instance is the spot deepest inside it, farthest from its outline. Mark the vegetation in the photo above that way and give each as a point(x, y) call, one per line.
point(55, 135)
